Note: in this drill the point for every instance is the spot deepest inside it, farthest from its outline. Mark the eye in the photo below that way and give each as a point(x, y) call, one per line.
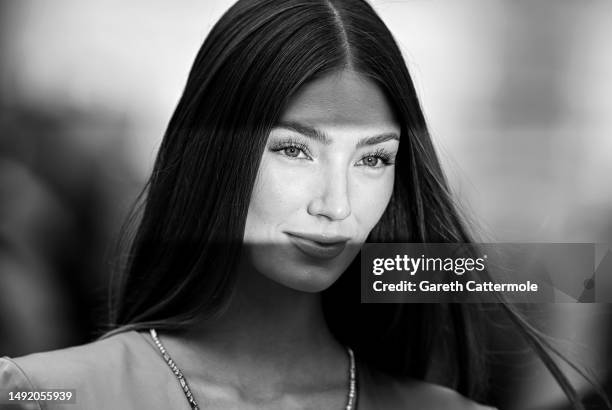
point(294, 152)
point(378, 159)
point(372, 161)
point(291, 149)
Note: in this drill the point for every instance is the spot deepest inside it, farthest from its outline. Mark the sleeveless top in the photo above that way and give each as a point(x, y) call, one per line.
point(126, 371)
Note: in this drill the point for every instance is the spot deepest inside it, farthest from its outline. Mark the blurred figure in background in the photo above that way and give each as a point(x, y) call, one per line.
point(65, 181)
point(59, 202)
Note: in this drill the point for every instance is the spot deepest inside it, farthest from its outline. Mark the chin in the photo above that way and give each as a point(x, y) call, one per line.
point(290, 269)
point(309, 280)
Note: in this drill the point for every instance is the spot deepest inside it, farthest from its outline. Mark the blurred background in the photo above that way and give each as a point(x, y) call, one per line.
point(517, 95)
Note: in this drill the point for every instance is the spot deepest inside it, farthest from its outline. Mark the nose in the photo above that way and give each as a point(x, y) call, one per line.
point(332, 200)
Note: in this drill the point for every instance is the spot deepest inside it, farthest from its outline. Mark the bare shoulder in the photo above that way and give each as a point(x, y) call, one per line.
point(382, 391)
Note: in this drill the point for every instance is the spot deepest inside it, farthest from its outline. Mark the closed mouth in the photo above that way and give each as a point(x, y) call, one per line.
point(318, 246)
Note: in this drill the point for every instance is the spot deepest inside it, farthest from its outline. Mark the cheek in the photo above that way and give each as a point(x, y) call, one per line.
point(278, 198)
point(371, 199)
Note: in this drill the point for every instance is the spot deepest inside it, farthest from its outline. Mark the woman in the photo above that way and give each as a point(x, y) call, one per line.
point(299, 137)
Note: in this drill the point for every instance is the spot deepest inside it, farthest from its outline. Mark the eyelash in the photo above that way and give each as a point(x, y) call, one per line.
point(290, 143)
point(380, 153)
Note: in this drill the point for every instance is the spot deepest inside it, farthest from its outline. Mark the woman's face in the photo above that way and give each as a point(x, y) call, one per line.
point(325, 179)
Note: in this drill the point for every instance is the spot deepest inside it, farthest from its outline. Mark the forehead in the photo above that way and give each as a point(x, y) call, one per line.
point(344, 100)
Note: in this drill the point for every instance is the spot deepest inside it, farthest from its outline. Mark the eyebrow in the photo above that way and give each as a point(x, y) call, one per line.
point(321, 137)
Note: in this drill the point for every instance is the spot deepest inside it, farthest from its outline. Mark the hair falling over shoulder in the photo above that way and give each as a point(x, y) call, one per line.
point(191, 216)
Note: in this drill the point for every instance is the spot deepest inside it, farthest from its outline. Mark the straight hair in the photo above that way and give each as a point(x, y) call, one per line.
point(181, 263)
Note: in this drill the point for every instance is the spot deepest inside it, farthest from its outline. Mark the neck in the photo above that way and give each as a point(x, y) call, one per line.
point(267, 319)
point(268, 332)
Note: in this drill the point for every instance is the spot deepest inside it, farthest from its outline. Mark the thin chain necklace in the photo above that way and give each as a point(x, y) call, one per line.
point(350, 400)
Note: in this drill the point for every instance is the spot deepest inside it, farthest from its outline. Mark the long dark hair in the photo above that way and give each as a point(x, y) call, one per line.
point(182, 258)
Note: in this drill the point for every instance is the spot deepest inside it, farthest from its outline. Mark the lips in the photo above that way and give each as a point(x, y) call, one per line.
point(318, 246)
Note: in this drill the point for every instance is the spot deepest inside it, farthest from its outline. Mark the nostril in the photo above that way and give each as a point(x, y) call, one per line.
point(332, 201)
